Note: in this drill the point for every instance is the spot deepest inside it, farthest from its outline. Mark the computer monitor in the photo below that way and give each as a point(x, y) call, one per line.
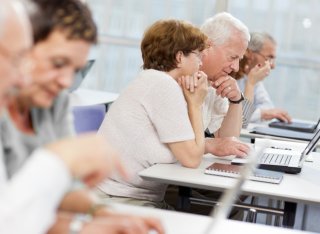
point(81, 75)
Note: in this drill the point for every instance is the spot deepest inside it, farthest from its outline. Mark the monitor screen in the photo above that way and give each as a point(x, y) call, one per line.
point(81, 75)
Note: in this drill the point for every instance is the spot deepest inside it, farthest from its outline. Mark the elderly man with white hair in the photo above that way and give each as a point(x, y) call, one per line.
point(222, 110)
point(258, 61)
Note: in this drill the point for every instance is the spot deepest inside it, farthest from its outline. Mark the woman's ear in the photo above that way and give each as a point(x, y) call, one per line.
point(179, 57)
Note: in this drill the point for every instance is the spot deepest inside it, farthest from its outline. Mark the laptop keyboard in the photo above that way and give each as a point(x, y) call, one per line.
point(276, 159)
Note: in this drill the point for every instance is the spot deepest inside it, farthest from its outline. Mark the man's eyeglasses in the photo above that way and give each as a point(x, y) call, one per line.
point(271, 59)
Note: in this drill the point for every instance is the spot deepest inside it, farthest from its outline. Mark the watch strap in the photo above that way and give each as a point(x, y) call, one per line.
point(238, 101)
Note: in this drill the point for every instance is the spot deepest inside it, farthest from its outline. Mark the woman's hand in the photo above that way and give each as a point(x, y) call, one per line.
point(195, 88)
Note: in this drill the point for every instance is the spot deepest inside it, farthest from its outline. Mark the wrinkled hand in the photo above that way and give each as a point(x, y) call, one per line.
point(123, 224)
point(226, 146)
point(88, 157)
point(258, 73)
point(282, 115)
point(195, 88)
point(227, 86)
point(114, 223)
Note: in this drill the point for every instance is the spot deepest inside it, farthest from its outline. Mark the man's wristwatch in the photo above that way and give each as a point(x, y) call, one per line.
point(238, 101)
point(77, 223)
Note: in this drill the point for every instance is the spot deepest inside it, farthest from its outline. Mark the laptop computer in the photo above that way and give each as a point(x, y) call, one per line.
point(304, 136)
point(284, 160)
point(296, 126)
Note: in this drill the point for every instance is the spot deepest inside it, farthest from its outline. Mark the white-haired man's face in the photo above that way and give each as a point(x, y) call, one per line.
point(15, 42)
point(221, 60)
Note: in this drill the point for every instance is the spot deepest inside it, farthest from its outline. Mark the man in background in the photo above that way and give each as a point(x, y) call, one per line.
point(254, 68)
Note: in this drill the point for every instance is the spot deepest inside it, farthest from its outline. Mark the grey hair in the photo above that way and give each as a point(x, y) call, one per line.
point(20, 9)
point(258, 39)
point(3, 16)
point(220, 27)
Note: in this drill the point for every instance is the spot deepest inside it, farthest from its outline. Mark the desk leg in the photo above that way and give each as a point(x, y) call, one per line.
point(289, 215)
point(304, 217)
point(183, 199)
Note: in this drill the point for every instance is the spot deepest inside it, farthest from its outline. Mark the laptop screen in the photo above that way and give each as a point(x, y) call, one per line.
point(312, 144)
point(80, 75)
point(317, 123)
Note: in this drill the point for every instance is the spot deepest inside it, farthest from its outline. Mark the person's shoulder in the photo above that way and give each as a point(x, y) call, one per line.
point(62, 99)
point(60, 104)
point(155, 75)
point(158, 80)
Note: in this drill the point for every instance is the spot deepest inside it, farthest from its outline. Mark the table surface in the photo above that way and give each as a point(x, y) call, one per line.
point(183, 223)
point(303, 187)
point(86, 97)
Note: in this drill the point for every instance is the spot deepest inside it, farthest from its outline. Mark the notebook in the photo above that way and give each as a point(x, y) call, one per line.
point(229, 170)
point(284, 160)
point(283, 133)
point(222, 211)
point(296, 126)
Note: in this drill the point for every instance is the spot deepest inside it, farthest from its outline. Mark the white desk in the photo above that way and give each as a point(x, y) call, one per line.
point(86, 97)
point(303, 187)
point(182, 223)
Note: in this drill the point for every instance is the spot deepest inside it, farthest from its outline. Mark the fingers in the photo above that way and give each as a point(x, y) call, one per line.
point(259, 72)
point(191, 82)
point(139, 225)
point(227, 87)
point(224, 88)
point(202, 80)
point(187, 82)
point(227, 146)
point(117, 225)
point(242, 150)
point(220, 81)
point(268, 114)
point(287, 117)
point(179, 80)
point(282, 115)
point(154, 224)
point(265, 70)
point(85, 164)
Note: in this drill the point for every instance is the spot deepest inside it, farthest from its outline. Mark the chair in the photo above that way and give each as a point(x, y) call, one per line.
point(88, 118)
